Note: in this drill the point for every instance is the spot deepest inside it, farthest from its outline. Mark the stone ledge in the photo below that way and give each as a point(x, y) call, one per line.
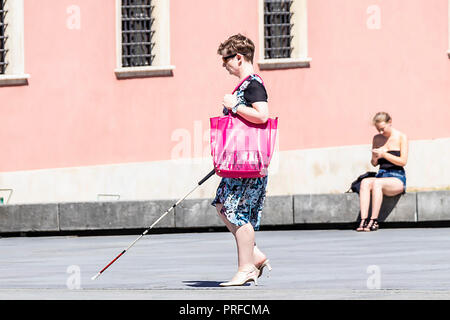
point(433, 205)
point(399, 208)
point(198, 213)
point(278, 210)
point(326, 208)
point(114, 215)
point(344, 208)
point(29, 217)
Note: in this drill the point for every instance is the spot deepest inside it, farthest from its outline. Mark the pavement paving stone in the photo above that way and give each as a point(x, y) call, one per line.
point(388, 264)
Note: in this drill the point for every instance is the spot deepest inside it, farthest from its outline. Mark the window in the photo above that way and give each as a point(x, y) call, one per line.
point(143, 38)
point(11, 43)
point(277, 29)
point(283, 34)
point(137, 33)
point(3, 37)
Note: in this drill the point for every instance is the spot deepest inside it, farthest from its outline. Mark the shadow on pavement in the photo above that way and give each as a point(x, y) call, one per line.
point(205, 284)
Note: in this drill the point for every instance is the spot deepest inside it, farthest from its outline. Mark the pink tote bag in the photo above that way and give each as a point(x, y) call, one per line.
point(242, 149)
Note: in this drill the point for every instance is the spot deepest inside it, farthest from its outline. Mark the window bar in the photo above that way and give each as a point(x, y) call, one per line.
point(3, 37)
point(277, 29)
point(137, 33)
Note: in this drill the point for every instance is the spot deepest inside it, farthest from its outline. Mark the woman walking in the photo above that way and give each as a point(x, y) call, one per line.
point(390, 151)
point(239, 201)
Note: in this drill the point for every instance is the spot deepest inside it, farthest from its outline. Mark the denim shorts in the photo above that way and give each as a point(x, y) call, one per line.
point(392, 173)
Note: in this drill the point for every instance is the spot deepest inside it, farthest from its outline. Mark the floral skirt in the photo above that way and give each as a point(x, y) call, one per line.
point(242, 200)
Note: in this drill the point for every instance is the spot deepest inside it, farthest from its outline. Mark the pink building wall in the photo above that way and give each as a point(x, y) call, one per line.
point(74, 112)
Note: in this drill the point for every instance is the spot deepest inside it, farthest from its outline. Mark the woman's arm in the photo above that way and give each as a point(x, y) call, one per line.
point(258, 114)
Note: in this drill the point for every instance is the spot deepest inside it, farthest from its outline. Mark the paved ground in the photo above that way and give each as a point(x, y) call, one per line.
point(325, 264)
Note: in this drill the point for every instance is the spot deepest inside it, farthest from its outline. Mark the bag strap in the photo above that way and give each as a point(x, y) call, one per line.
point(252, 76)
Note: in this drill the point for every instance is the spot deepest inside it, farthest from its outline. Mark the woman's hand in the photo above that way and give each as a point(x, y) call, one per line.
point(378, 153)
point(259, 113)
point(229, 101)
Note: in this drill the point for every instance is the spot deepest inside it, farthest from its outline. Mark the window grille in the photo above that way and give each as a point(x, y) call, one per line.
point(3, 37)
point(277, 29)
point(137, 33)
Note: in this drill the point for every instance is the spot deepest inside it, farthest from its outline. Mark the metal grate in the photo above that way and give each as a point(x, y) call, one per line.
point(277, 29)
point(3, 37)
point(137, 33)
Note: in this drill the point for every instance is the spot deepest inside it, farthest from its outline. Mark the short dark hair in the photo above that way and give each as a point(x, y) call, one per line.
point(238, 43)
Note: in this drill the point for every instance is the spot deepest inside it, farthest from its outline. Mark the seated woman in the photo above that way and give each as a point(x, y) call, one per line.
point(390, 151)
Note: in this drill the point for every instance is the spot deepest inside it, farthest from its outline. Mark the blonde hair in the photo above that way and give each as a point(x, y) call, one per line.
point(381, 117)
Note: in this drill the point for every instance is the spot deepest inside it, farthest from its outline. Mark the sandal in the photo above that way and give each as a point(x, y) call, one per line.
point(372, 226)
point(362, 225)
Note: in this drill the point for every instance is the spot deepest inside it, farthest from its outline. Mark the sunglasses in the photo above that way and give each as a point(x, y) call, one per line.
point(226, 58)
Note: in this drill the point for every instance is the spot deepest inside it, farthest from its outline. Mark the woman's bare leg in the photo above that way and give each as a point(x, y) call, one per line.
point(364, 201)
point(257, 256)
point(245, 240)
point(364, 196)
point(384, 186)
point(231, 227)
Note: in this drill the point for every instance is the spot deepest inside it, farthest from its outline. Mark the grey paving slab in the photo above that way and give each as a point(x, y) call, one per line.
point(314, 264)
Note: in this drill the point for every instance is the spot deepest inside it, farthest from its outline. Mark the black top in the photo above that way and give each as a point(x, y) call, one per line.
point(387, 165)
point(250, 91)
point(255, 92)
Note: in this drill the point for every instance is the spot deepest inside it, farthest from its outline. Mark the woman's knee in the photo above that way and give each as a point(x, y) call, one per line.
point(366, 184)
point(377, 184)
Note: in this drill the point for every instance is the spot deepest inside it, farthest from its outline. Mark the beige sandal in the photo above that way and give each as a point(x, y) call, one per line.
point(242, 277)
point(263, 265)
